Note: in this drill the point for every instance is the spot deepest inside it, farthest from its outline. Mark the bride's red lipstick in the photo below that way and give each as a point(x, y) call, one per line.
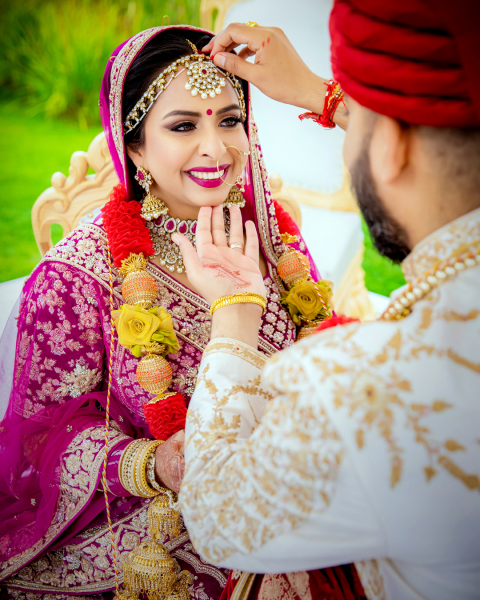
point(208, 183)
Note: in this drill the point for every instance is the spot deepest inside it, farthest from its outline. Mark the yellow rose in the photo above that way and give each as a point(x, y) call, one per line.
point(304, 300)
point(165, 334)
point(135, 325)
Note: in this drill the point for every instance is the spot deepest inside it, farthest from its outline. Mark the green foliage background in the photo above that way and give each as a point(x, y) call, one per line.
point(52, 58)
point(53, 52)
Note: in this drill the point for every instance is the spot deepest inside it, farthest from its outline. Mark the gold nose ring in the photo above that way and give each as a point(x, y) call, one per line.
point(238, 180)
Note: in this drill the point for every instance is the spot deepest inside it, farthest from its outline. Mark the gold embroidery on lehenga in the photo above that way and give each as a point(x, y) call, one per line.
point(76, 488)
point(371, 579)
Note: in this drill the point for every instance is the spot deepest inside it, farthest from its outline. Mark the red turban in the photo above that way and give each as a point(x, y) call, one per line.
point(414, 60)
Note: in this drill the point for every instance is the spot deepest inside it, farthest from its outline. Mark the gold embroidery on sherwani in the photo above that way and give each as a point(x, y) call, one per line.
point(376, 401)
point(236, 349)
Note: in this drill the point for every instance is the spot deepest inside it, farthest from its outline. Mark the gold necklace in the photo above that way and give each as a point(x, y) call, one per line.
point(161, 231)
point(401, 305)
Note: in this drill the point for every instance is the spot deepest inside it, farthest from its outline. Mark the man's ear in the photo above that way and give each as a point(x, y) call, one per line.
point(388, 149)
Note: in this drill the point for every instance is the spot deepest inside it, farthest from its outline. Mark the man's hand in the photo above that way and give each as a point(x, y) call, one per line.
point(278, 70)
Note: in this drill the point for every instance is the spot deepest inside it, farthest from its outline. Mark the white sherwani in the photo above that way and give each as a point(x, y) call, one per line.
point(359, 444)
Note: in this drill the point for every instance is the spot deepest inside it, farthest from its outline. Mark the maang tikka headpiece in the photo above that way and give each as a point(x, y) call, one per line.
point(204, 80)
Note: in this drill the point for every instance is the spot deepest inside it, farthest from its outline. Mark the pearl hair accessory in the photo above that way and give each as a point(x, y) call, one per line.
point(204, 80)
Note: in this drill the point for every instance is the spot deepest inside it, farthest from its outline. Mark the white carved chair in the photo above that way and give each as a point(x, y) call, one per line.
point(77, 198)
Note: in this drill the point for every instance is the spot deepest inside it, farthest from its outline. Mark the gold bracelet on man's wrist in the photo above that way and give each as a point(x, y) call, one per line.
point(241, 298)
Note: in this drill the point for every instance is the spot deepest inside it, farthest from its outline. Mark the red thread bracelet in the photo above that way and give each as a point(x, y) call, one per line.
point(333, 97)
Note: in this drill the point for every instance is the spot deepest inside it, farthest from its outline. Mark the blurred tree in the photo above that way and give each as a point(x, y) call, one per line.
point(53, 53)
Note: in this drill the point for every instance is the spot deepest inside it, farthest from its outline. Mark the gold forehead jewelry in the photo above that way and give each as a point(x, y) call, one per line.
point(204, 80)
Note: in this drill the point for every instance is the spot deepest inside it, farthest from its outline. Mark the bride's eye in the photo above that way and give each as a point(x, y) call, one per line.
point(230, 122)
point(186, 126)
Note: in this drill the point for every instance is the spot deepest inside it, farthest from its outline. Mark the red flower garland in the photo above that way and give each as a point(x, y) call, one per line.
point(334, 322)
point(126, 230)
point(166, 417)
point(285, 222)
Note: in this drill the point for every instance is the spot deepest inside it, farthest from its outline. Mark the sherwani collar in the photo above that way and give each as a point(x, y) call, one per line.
point(448, 241)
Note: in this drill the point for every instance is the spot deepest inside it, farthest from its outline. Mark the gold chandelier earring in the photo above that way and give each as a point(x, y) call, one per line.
point(235, 197)
point(152, 207)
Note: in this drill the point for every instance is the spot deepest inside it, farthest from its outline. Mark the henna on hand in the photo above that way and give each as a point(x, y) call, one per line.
point(234, 276)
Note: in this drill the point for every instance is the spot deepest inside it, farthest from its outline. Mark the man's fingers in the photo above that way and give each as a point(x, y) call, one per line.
point(238, 66)
point(246, 53)
point(236, 34)
point(252, 247)
point(189, 254)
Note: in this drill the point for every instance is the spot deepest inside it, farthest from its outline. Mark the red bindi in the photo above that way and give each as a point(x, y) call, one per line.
point(209, 111)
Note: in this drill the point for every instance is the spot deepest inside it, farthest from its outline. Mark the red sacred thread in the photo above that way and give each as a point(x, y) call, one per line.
point(107, 431)
point(126, 229)
point(333, 97)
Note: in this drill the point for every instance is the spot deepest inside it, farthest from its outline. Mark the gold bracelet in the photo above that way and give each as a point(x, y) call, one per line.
point(152, 481)
point(244, 297)
point(140, 469)
point(125, 467)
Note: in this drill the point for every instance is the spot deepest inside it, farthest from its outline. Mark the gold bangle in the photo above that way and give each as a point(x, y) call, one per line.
point(125, 467)
point(245, 297)
point(151, 470)
point(140, 469)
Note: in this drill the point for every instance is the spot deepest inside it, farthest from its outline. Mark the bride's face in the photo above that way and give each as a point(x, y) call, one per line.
point(185, 136)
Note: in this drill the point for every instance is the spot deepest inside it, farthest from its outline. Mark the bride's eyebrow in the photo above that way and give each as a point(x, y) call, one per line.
point(182, 113)
point(221, 111)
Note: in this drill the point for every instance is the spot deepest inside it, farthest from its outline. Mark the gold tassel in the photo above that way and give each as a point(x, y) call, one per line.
point(149, 569)
point(163, 519)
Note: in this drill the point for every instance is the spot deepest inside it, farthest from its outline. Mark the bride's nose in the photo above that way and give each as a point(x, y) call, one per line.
point(211, 145)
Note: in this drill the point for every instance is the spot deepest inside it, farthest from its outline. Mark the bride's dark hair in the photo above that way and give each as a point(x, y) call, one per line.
point(157, 55)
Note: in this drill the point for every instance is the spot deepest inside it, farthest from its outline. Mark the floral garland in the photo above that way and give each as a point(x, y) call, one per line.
point(307, 301)
point(147, 331)
point(127, 231)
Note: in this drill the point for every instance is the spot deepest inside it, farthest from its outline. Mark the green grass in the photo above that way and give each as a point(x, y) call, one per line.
point(32, 149)
point(381, 274)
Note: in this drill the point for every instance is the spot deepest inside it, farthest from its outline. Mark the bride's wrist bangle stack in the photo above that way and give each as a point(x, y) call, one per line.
point(243, 298)
point(333, 97)
point(133, 468)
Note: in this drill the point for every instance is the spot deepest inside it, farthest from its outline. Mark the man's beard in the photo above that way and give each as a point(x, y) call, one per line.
point(389, 237)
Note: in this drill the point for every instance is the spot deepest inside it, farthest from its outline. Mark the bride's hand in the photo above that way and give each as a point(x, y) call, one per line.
point(214, 269)
point(170, 462)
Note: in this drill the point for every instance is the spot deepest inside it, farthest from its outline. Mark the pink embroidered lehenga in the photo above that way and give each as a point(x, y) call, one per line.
point(54, 539)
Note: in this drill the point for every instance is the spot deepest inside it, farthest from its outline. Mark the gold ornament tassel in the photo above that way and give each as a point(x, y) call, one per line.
point(163, 519)
point(149, 570)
